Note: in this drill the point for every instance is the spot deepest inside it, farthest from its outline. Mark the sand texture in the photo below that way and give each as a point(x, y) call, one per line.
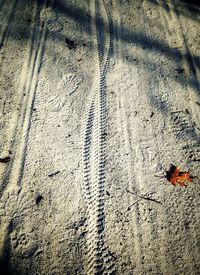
point(98, 98)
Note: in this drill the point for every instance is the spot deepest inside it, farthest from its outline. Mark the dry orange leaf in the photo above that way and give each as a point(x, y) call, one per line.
point(175, 176)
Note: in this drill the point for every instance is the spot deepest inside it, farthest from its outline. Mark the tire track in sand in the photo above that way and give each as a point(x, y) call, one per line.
point(20, 123)
point(94, 145)
point(7, 25)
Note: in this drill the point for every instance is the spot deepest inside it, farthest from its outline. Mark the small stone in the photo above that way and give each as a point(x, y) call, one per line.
point(5, 159)
point(38, 199)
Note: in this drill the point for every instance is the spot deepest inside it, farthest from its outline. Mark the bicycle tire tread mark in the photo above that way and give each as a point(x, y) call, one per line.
point(94, 145)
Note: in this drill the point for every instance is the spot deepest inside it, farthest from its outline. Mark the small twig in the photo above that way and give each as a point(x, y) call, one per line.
point(143, 197)
point(130, 192)
point(149, 199)
point(54, 174)
point(129, 208)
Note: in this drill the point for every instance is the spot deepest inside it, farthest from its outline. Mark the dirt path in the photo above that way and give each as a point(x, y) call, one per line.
point(97, 99)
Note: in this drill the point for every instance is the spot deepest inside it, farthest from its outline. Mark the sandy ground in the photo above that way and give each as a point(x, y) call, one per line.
point(97, 100)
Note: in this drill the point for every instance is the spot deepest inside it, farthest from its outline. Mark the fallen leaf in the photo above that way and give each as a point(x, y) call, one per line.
point(175, 176)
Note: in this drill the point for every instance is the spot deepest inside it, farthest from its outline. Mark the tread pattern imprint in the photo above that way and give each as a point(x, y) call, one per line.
point(94, 144)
